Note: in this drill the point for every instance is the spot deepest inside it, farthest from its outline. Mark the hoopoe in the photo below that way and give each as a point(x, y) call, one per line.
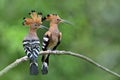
point(31, 42)
point(51, 39)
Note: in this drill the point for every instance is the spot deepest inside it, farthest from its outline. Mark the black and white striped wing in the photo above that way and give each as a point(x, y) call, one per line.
point(36, 49)
point(31, 48)
point(45, 43)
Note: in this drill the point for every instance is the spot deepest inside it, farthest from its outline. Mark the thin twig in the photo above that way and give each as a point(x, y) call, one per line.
point(18, 61)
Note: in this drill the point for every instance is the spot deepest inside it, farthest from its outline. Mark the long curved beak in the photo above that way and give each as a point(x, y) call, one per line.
point(43, 27)
point(67, 22)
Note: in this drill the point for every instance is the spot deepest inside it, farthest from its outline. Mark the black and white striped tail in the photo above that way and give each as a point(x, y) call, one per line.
point(32, 49)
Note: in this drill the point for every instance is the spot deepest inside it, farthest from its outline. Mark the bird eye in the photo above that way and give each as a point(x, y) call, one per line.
point(35, 24)
point(58, 19)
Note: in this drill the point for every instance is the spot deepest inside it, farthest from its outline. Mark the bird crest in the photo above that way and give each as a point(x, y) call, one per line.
point(52, 17)
point(35, 18)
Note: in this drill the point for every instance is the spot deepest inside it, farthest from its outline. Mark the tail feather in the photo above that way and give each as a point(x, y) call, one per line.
point(34, 68)
point(44, 68)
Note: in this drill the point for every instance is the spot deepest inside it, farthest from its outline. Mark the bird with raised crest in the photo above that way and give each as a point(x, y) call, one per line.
point(51, 39)
point(31, 42)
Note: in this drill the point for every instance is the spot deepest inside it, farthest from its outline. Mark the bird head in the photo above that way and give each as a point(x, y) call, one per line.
point(35, 21)
point(55, 19)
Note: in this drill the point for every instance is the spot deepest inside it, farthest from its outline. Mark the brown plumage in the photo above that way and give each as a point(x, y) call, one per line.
point(51, 39)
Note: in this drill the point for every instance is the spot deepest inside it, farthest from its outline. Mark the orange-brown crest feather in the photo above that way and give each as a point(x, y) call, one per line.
point(28, 21)
point(35, 18)
point(39, 18)
point(34, 15)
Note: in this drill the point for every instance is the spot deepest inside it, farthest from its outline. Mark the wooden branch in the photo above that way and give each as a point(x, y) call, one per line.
point(18, 61)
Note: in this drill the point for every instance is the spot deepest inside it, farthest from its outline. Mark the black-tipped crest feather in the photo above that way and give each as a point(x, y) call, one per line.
point(44, 18)
point(40, 13)
point(32, 10)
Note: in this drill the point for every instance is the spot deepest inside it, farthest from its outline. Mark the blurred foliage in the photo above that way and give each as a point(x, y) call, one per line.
point(95, 34)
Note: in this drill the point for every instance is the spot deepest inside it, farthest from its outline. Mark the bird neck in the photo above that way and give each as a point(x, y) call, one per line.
point(53, 27)
point(32, 32)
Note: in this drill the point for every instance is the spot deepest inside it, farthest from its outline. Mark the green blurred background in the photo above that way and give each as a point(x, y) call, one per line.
point(95, 34)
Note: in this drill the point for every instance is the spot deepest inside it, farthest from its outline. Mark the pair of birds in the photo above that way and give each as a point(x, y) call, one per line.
point(31, 42)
